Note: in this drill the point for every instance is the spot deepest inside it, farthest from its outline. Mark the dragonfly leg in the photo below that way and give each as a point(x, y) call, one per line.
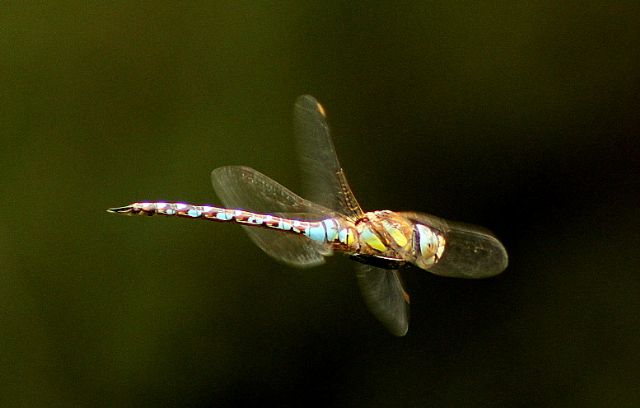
point(379, 261)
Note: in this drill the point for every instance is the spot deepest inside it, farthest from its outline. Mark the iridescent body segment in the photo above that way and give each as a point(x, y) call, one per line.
point(302, 232)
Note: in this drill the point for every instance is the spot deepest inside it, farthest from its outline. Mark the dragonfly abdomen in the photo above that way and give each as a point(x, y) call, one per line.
point(328, 231)
point(217, 214)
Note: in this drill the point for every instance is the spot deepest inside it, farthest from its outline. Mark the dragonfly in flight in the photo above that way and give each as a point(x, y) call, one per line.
point(302, 232)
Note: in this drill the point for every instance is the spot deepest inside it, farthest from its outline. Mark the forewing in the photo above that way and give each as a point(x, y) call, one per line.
point(326, 184)
point(385, 296)
point(245, 188)
point(324, 180)
point(470, 251)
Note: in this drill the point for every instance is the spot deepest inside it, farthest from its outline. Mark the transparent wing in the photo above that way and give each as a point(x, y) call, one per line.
point(326, 184)
point(248, 189)
point(324, 179)
point(385, 296)
point(470, 251)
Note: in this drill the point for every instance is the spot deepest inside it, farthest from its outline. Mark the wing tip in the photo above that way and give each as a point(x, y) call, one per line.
point(400, 331)
point(310, 103)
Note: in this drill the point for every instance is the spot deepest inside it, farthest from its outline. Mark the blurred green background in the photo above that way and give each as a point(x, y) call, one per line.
point(519, 117)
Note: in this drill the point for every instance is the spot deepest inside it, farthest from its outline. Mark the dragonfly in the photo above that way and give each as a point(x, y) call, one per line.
point(303, 232)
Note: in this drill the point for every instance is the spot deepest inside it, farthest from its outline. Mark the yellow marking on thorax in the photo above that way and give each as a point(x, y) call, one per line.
point(396, 234)
point(371, 239)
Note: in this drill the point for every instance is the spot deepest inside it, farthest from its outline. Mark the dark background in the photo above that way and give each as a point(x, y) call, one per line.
point(521, 118)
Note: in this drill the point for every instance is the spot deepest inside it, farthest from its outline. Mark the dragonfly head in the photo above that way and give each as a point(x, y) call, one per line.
point(429, 245)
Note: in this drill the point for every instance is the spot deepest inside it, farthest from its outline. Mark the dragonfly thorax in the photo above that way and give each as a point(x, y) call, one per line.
point(384, 233)
point(391, 235)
